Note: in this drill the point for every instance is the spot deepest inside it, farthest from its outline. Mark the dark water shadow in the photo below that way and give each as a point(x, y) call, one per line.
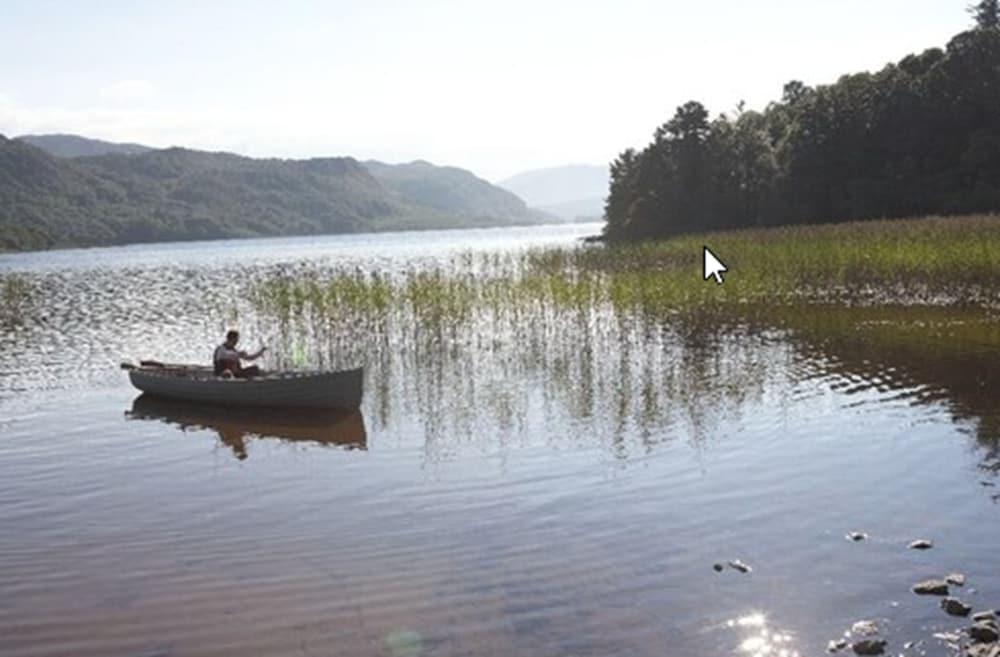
point(236, 426)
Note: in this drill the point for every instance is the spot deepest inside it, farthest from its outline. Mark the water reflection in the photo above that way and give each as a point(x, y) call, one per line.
point(620, 378)
point(928, 355)
point(555, 480)
point(237, 426)
point(504, 377)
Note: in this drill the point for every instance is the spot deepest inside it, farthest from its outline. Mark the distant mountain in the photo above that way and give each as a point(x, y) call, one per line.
point(569, 192)
point(590, 209)
point(76, 146)
point(181, 194)
point(449, 189)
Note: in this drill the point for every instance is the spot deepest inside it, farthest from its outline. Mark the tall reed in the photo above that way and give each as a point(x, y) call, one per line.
point(16, 297)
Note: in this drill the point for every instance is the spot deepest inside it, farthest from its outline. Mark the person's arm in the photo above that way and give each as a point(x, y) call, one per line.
point(245, 356)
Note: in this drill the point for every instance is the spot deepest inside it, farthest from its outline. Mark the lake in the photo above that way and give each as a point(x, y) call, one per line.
point(529, 479)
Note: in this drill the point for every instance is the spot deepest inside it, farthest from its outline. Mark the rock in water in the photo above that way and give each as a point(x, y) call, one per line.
point(931, 587)
point(857, 536)
point(836, 646)
point(955, 579)
point(921, 544)
point(717, 567)
point(869, 647)
point(740, 566)
point(987, 615)
point(983, 650)
point(865, 628)
point(984, 632)
point(955, 607)
point(948, 637)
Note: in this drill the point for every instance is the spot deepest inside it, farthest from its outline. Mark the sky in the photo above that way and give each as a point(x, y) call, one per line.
point(495, 87)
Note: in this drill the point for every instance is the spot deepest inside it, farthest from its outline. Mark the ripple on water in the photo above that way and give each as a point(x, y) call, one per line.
point(551, 488)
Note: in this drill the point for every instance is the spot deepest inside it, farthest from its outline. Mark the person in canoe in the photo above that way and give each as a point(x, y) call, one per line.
point(227, 360)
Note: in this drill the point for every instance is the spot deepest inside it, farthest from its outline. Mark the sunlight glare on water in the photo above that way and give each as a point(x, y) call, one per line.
point(763, 641)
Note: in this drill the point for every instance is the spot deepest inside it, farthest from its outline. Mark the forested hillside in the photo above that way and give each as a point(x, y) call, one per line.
point(919, 137)
point(181, 194)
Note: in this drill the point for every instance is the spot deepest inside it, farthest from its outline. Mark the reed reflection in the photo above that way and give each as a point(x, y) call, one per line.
point(492, 378)
point(487, 365)
point(236, 427)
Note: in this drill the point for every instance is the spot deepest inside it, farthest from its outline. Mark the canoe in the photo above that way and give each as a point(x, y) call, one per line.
point(314, 390)
point(236, 426)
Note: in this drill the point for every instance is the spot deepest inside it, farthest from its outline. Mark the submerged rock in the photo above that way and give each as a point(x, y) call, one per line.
point(736, 564)
point(404, 643)
point(869, 647)
point(857, 536)
point(955, 607)
point(921, 544)
point(987, 615)
point(717, 567)
point(931, 587)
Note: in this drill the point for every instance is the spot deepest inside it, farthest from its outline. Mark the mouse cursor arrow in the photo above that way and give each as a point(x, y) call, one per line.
point(713, 267)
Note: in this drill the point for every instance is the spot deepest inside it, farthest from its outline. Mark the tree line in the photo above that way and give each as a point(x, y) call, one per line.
point(919, 137)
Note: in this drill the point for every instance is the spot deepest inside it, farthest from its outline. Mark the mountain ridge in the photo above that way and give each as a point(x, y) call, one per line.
point(171, 194)
point(70, 146)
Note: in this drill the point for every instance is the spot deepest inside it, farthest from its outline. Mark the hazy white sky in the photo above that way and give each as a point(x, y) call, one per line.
point(497, 87)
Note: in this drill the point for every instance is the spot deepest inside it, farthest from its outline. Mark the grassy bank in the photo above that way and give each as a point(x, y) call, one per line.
point(933, 261)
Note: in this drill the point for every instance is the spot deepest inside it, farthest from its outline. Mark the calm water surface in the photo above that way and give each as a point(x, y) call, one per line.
point(562, 486)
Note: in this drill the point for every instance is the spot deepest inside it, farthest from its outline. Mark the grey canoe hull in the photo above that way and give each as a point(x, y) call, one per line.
point(327, 390)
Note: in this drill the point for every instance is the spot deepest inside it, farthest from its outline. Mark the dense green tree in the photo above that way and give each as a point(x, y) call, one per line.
point(921, 136)
point(622, 190)
point(987, 14)
point(795, 92)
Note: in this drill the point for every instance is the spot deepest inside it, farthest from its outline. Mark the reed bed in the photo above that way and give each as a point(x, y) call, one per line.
point(926, 261)
point(932, 260)
point(16, 298)
point(616, 331)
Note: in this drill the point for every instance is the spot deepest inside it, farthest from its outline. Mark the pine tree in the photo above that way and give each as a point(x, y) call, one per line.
point(987, 14)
